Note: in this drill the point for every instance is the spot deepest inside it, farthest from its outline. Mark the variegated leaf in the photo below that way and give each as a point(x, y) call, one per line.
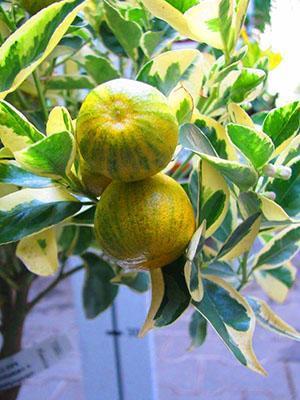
point(277, 282)
point(281, 124)
point(170, 296)
point(247, 85)
point(288, 191)
point(182, 104)
point(279, 250)
point(5, 153)
point(197, 330)
point(242, 239)
point(216, 134)
point(174, 68)
point(28, 47)
point(239, 116)
point(128, 33)
point(191, 268)
point(29, 211)
point(52, 156)
point(11, 173)
point(256, 146)
point(59, 121)
point(214, 197)
point(268, 319)
point(39, 252)
point(166, 11)
point(16, 132)
point(193, 139)
point(232, 318)
point(157, 290)
point(272, 211)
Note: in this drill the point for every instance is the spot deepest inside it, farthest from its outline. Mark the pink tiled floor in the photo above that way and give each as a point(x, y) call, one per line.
point(209, 373)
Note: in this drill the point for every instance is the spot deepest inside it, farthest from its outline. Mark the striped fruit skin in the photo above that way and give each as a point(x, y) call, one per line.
point(92, 182)
point(145, 224)
point(34, 6)
point(126, 130)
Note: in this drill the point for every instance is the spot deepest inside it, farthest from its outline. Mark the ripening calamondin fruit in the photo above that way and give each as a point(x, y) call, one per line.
point(126, 130)
point(145, 224)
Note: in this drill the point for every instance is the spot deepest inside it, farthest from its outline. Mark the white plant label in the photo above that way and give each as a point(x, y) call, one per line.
point(23, 365)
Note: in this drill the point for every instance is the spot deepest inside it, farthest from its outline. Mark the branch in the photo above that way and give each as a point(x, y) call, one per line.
point(53, 284)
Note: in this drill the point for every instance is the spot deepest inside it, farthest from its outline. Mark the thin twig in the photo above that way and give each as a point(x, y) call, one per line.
point(52, 285)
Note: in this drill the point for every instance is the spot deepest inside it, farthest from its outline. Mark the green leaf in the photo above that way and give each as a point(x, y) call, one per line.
point(75, 240)
point(69, 82)
point(28, 47)
point(15, 131)
point(255, 145)
point(98, 292)
point(12, 174)
point(197, 329)
point(232, 318)
point(246, 85)
point(29, 211)
point(241, 240)
point(288, 192)
point(39, 252)
point(100, 69)
point(277, 282)
point(191, 268)
point(85, 237)
point(268, 319)
point(194, 140)
point(282, 123)
point(53, 156)
point(128, 33)
point(137, 281)
point(282, 248)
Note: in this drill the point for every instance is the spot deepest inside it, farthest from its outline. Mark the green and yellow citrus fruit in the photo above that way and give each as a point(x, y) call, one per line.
point(126, 130)
point(93, 182)
point(34, 6)
point(145, 224)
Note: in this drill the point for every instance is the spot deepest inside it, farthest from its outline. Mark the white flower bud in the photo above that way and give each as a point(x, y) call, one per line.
point(269, 170)
point(270, 195)
point(283, 172)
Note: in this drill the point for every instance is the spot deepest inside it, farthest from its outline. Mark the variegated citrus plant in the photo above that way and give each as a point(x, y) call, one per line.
point(237, 164)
